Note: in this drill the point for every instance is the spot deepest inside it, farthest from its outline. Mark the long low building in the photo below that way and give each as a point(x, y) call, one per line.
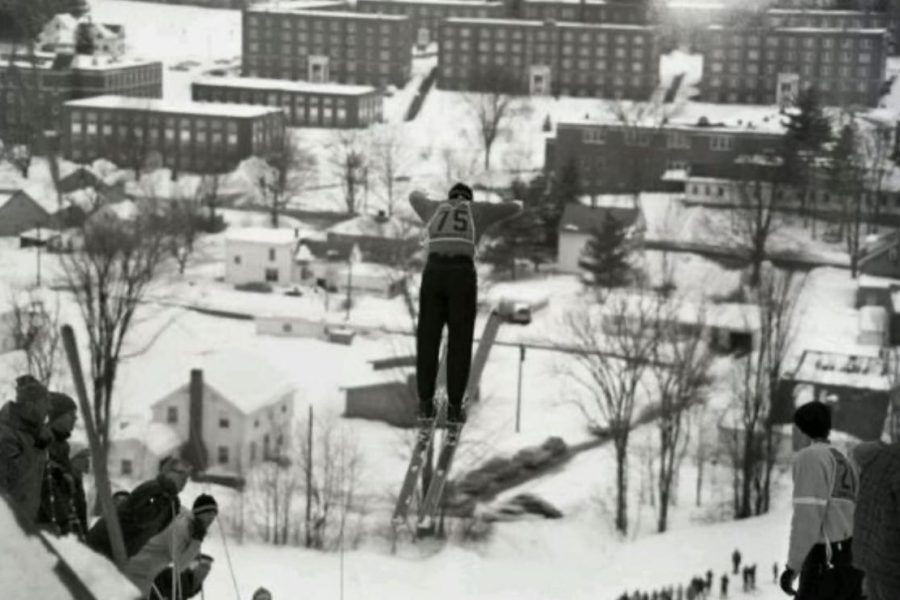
point(185, 136)
point(305, 104)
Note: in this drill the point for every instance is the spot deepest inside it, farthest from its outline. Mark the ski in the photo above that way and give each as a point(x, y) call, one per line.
point(423, 442)
point(439, 478)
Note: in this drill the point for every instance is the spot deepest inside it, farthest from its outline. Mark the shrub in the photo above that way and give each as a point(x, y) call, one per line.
point(254, 286)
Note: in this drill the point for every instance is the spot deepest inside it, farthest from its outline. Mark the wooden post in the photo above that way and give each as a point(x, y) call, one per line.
point(98, 455)
point(519, 393)
point(309, 470)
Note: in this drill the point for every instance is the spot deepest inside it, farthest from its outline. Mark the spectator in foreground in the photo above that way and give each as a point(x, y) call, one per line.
point(876, 524)
point(24, 438)
point(146, 512)
point(178, 545)
point(58, 512)
point(262, 594)
point(825, 487)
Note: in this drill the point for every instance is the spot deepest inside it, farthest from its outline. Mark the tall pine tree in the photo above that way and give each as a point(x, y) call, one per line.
point(807, 130)
point(606, 254)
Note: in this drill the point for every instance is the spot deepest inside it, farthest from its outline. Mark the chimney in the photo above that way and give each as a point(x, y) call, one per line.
point(381, 217)
point(195, 450)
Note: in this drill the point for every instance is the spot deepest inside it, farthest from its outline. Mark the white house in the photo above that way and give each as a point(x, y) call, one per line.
point(137, 447)
point(231, 412)
point(578, 223)
point(255, 254)
point(58, 35)
point(368, 278)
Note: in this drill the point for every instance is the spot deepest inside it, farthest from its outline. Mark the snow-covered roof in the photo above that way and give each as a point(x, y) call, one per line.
point(873, 281)
point(159, 438)
point(578, 218)
point(305, 87)
point(244, 379)
point(873, 318)
point(819, 12)
point(294, 5)
point(174, 106)
point(869, 31)
point(6, 196)
point(369, 269)
point(262, 235)
point(838, 369)
point(370, 226)
point(31, 570)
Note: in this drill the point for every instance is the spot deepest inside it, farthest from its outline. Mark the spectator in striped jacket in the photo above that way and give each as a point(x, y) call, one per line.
point(826, 483)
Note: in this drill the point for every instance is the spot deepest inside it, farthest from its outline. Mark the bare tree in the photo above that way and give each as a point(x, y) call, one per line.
point(347, 154)
point(759, 190)
point(876, 149)
point(680, 377)
point(755, 383)
point(283, 174)
point(642, 124)
point(109, 275)
point(182, 227)
point(493, 106)
point(390, 157)
point(458, 165)
point(615, 348)
point(34, 329)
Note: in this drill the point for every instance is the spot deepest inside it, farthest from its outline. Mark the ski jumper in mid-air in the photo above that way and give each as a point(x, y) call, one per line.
point(449, 292)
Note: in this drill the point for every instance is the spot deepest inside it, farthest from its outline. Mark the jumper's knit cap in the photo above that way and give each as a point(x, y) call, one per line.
point(261, 594)
point(813, 419)
point(29, 389)
point(460, 189)
point(61, 404)
point(205, 504)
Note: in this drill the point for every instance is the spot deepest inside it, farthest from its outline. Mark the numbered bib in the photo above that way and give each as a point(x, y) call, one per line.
point(845, 483)
point(452, 223)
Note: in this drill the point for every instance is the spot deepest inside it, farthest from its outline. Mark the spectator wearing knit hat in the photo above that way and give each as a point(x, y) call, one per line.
point(190, 583)
point(58, 512)
point(825, 487)
point(262, 594)
point(23, 441)
point(178, 545)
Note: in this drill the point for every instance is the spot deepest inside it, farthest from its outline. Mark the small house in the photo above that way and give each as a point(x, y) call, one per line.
point(20, 212)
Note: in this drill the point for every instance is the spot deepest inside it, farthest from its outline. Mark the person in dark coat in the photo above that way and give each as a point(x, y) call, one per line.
point(262, 594)
point(147, 511)
point(24, 438)
point(81, 466)
point(190, 584)
point(876, 522)
point(736, 560)
point(709, 579)
point(723, 586)
point(58, 512)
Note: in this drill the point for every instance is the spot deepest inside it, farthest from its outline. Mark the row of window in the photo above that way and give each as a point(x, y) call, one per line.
point(674, 139)
point(461, 60)
point(299, 41)
point(336, 52)
point(829, 21)
point(341, 73)
point(821, 84)
point(258, 27)
point(787, 40)
point(153, 137)
point(451, 47)
point(269, 98)
point(809, 70)
point(737, 54)
point(591, 167)
point(152, 121)
point(430, 10)
point(464, 32)
point(592, 14)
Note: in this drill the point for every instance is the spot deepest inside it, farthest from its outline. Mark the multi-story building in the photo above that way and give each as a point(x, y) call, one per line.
point(185, 136)
point(615, 157)
point(305, 104)
point(287, 42)
point(32, 90)
point(583, 11)
point(535, 57)
point(825, 19)
point(768, 66)
point(426, 15)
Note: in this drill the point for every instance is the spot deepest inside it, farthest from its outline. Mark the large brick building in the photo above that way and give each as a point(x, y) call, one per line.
point(32, 91)
point(305, 104)
point(186, 136)
point(614, 157)
point(426, 15)
point(571, 59)
point(768, 66)
point(284, 41)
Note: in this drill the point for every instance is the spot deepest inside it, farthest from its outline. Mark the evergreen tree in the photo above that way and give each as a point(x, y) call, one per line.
point(520, 238)
point(846, 177)
point(78, 8)
point(606, 254)
point(84, 41)
point(807, 130)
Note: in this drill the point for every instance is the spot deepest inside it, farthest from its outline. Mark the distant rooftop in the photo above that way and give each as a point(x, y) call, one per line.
point(296, 5)
point(850, 370)
point(258, 83)
point(471, 3)
point(262, 235)
point(174, 106)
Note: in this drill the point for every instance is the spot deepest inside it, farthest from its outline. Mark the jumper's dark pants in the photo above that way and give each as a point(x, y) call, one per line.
point(841, 582)
point(448, 296)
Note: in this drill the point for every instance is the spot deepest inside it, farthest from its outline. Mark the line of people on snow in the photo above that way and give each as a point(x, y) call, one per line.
point(42, 479)
point(700, 587)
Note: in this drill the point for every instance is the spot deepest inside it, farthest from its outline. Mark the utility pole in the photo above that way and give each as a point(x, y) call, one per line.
point(309, 469)
point(39, 242)
point(519, 393)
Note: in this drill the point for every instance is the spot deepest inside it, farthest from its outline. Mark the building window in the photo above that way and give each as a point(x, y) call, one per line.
point(272, 275)
point(171, 414)
point(126, 468)
point(237, 260)
point(593, 136)
point(678, 139)
point(721, 142)
point(224, 422)
point(271, 254)
point(286, 328)
point(252, 452)
point(223, 455)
